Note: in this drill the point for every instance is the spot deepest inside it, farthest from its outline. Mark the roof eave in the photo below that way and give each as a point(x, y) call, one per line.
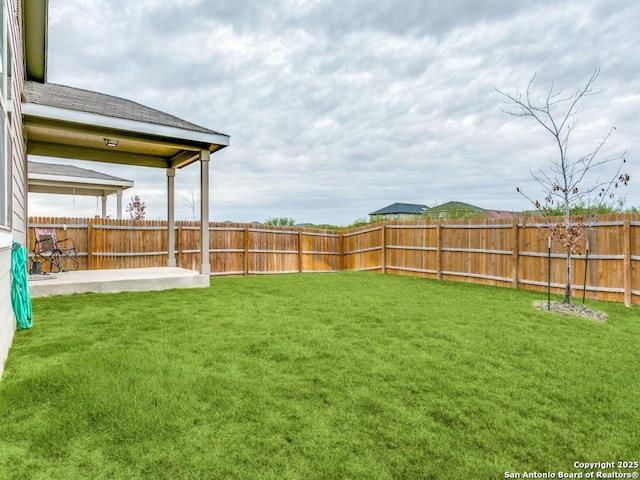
point(41, 177)
point(83, 118)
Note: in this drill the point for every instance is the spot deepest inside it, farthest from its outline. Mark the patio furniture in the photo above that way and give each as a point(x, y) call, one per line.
point(59, 255)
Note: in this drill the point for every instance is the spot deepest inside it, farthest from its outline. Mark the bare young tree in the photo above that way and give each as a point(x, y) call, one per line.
point(136, 208)
point(568, 180)
point(191, 201)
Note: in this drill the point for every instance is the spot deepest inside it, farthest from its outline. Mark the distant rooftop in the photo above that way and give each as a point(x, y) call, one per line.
point(70, 171)
point(400, 208)
point(498, 214)
point(444, 209)
point(455, 206)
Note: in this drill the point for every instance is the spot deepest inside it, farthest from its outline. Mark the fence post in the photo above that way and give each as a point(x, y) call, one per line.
point(626, 234)
point(31, 224)
point(384, 248)
point(246, 250)
point(300, 267)
point(341, 258)
point(439, 250)
point(89, 246)
point(516, 247)
point(179, 247)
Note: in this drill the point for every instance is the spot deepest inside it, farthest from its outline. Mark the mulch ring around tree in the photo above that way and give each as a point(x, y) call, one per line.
point(572, 310)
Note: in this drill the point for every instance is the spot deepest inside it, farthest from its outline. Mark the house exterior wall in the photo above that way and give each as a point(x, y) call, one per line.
point(14, 228)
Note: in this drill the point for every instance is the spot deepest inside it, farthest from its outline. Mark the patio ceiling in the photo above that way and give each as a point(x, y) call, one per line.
point(67, 122)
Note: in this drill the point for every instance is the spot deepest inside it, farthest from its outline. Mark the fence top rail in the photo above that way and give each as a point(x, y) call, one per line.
point(477, 250)
point(359, 232)
point(619, 223)
point(218, 229)
point(417, 226)
point(129, 227)
point(320, 234)
point(477, 225)
point(268, 230)
point(57, 225)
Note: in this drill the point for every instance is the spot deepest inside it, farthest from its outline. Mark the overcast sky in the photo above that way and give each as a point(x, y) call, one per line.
point(338, 108)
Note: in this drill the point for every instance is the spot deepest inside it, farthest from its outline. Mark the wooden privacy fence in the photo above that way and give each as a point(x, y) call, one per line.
point(503, 252)
point(495, 252)
point(234, 249)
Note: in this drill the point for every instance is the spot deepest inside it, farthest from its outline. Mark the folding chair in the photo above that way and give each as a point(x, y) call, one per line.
point(59, 255)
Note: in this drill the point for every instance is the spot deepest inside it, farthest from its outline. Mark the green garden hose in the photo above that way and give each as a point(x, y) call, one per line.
point(20, 297)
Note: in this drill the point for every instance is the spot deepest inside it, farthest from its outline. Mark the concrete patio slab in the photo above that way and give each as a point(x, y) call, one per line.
point(112, 281)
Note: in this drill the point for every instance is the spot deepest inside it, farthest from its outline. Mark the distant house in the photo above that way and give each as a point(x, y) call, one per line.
point(464, 210)
point(413, 211)
point(454, 210)
point(398, 211)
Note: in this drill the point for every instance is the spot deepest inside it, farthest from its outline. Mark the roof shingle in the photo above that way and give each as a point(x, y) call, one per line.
point(70, 98)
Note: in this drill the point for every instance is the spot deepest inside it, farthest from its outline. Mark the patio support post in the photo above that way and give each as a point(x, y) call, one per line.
point(119, 195)
point(104, 204)
point(171, 222)
point(205, 266)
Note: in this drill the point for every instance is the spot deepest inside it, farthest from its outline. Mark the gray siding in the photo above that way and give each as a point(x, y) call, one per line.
point(18, 156)
point(19, 201)
point(18, 189)
point(7, 321)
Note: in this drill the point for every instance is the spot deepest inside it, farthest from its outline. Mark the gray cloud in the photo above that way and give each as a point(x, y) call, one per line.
point(336, 109)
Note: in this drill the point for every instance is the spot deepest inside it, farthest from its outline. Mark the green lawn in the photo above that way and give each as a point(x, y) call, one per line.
point(330, 376)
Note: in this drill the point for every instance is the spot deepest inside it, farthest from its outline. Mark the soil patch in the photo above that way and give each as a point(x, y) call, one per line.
point(572, 310)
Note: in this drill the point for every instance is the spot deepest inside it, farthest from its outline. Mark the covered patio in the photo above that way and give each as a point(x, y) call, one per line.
point(65, 122)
